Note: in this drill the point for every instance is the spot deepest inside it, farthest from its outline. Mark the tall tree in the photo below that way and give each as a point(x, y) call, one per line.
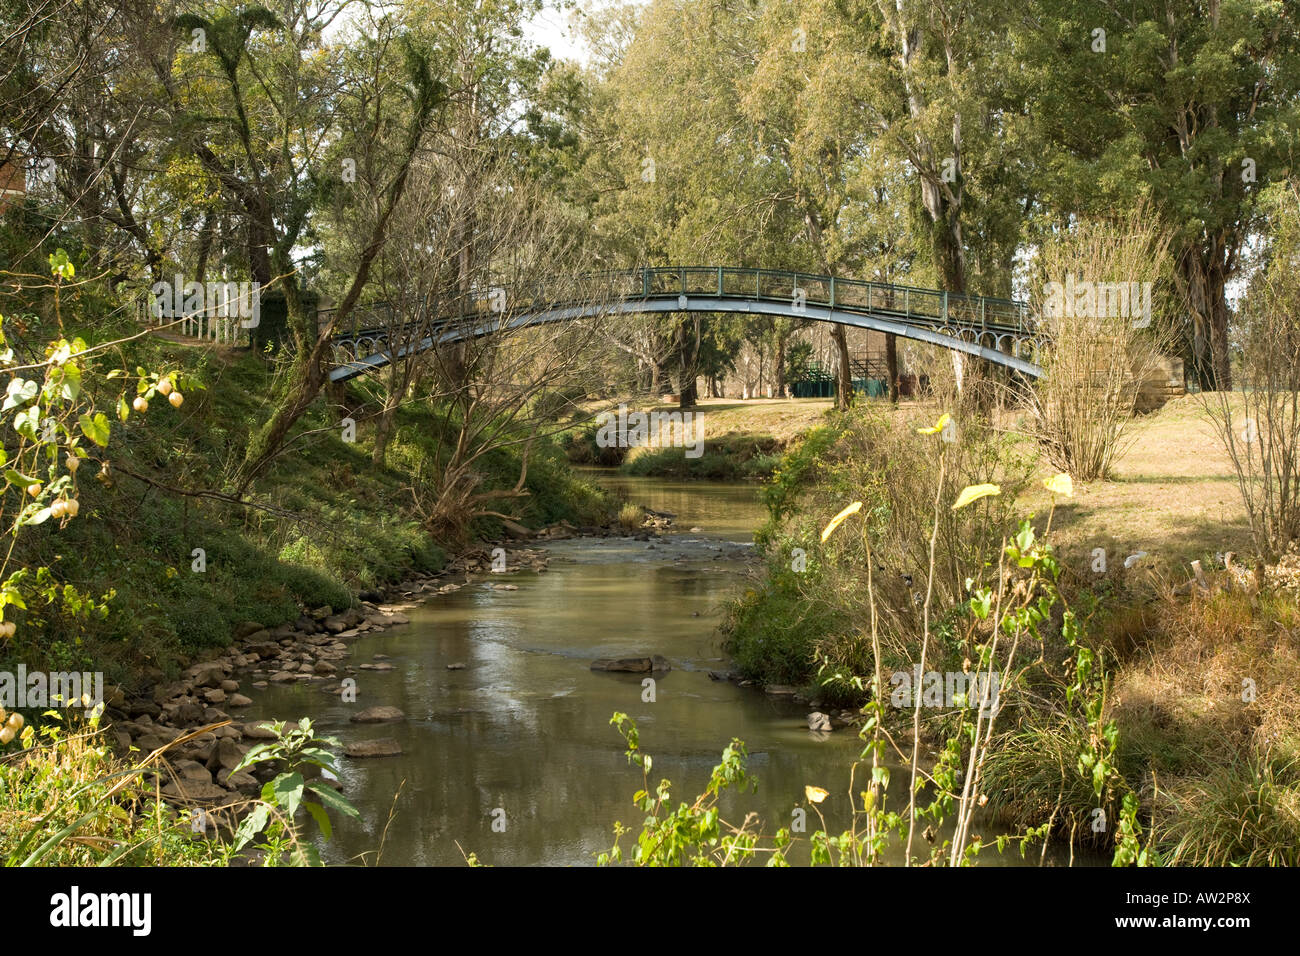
point(1194, 104)
point(261, 124)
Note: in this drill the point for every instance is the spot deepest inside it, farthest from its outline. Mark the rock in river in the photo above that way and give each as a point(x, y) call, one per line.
point(383, 747)
point(631, 665)
point(378, 715)
point(816, 721)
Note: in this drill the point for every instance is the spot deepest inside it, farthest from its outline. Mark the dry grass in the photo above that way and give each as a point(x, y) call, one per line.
point(1174, 495)
point(781, 418)
point(1209, 721)
point(1190, 684)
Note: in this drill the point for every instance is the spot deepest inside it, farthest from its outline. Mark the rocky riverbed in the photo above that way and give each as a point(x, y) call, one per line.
point(194, 720)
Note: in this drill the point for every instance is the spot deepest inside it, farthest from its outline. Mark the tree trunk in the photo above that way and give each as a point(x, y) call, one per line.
point(779, 373)
point(844, 376)
point(891, 365)
point(689, 395)
point(383, 432)
point(1203, 277)
point(688, 350)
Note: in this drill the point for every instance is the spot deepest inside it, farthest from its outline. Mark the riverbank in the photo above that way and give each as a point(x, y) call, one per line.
point(181, 562)
point(1193, 667)
point(733, 440)
point(184, 571)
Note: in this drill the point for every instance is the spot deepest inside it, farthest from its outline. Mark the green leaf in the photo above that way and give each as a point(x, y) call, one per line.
point(333, 800)
point(256, 755)
point(71, 382)
point(123, 409)
point(320, 816)
point(96, 428)
point(20, 392)
point(27, 422)
point(38, 518)
point(252, 825)
point(18, 478)
point(287, 789)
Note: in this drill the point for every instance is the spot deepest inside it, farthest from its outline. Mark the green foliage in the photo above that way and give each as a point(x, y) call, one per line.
point(691, 834)
point(65, 800)
point(273, 819)
point(800, 467)
point(772, 632)
point(1243, 813)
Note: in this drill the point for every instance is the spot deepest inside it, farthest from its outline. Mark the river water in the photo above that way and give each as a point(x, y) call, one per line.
point(513, 757)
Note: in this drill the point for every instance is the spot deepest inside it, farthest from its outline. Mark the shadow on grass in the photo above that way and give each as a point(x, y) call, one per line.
point(1191, 540)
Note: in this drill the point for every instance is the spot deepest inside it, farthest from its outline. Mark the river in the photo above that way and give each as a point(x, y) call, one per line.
point(513, 757)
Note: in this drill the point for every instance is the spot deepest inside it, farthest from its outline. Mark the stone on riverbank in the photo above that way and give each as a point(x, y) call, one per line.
point(194, 790)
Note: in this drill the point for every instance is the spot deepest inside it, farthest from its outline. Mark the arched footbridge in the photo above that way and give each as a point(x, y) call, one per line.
point(998, 330)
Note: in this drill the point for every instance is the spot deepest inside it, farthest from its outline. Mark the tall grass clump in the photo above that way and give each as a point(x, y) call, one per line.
point(1101, 345)
point(817, 590)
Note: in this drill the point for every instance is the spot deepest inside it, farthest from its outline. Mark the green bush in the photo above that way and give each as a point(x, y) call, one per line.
point(772, 632)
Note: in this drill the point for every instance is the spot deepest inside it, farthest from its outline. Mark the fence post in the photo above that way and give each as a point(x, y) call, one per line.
point(832, 292)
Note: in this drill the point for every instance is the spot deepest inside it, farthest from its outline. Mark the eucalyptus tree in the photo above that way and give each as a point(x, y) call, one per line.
point(938, 94)
point(682, 173)
point(1193, 104)
point(75, 111)
point(254, 94)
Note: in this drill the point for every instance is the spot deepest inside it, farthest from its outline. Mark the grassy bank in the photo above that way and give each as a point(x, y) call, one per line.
point(182, 565)
point(737, 440)
point(1197, 685)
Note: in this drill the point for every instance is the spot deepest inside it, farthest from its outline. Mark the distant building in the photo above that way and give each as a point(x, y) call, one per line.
point(13, 182)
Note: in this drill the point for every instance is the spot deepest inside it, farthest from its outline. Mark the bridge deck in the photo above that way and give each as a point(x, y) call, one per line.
point(961, 322)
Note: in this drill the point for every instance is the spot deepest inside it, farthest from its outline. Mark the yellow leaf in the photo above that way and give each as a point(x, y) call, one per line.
point(975, 493)
point(937, 427)
point(1060, 485)
point(815, 794)
point(839, 519)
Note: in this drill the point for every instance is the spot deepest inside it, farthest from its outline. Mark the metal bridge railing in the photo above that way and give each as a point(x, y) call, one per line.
point(930, 307)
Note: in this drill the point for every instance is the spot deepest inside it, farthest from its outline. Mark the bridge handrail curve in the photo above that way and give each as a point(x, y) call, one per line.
point(987, 312)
